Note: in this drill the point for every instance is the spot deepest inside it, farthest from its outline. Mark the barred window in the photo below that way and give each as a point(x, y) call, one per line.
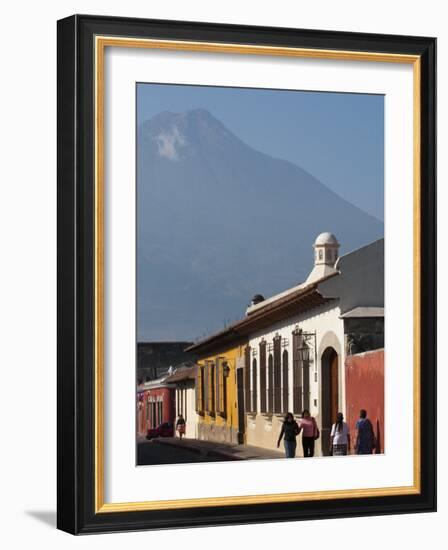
point(221, 390)
point(217, 385)
point(306, 383)
point(271, 383)
point(254, 385)
point(148, 411)
point(247, 401)
point(200, 390)
point(277, 376)
point(211, 387)
point(206, 386)
point(263, 389)
point(285, 387)
point(296, 373)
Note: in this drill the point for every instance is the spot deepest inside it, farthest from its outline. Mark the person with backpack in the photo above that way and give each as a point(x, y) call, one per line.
point(365, 436)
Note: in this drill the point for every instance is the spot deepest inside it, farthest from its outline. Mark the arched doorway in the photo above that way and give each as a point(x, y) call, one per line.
point(330, 394)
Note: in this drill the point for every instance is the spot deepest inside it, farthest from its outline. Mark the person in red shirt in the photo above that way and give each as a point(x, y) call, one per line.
point(310, 432)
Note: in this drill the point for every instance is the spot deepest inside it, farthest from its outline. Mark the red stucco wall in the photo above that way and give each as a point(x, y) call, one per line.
point(364, 387)
point(168, 407)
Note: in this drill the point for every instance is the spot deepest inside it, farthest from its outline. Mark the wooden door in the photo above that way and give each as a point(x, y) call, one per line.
point(241, 406)
point(329, 395)
point(334, 386)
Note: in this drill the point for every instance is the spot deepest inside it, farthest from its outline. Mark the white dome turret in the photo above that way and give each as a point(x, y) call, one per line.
point(326, 249)
point(326, 239)
point(326, 252)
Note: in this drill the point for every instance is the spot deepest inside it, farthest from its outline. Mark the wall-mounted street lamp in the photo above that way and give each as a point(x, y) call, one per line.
point(307, 351)
point(304, 354)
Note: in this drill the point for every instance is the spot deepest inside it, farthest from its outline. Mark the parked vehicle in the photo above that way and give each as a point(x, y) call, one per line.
point(166, 429)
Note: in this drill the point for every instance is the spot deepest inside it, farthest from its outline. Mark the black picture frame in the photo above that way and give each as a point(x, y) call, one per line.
point(76, 286)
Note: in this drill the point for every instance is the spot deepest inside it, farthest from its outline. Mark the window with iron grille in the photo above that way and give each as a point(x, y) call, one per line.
point(217, 385)
point(277, 376)
point(271, 383)
point(211, 387)
point(221, 395)
point(285, 377)
point(223, 390)
point(254, 385)
point(296, 373)
point(152, 421)
point(263, 388)
point(206, 385)
point(247, 401)
point(200, 390)
point(159, 412)
point(306, 384)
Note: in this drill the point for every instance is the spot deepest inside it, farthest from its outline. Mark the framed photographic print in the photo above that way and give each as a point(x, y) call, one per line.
point(246, 274)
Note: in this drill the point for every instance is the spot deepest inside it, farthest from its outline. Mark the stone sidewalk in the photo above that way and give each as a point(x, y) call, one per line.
point(225, 451)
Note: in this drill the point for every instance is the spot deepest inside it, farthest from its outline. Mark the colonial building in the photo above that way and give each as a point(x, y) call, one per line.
point(185, 398)
point(297, 359)
point(155, 403)
point(219, 382)
point(288, 352)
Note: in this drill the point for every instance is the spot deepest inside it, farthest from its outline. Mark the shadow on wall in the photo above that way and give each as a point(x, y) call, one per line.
point(378, 449)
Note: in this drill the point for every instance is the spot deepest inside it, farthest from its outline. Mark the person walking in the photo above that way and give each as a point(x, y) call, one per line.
point(310, 432)
point(290, 430)
point(364, 435)
point(180, 425)
point(339, 437)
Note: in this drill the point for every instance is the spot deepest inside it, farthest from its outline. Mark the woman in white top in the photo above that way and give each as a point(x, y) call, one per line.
point(340, 437)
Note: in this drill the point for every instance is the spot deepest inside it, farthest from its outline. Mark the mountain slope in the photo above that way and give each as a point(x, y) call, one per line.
point(218, 222)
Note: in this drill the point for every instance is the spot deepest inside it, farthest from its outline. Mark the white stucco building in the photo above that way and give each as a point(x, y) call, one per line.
point(300, 337)
point(294, 344)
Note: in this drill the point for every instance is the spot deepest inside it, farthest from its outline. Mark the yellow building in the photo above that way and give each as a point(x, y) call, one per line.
point(220, 388)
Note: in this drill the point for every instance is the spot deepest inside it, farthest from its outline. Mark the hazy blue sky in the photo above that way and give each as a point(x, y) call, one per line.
point(337, 137)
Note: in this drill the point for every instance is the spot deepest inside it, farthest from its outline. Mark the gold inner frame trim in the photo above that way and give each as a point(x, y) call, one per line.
point(101, 42)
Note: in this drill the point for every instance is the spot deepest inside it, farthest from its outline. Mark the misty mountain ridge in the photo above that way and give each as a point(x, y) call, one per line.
point(178, 135)
point(218, 221)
